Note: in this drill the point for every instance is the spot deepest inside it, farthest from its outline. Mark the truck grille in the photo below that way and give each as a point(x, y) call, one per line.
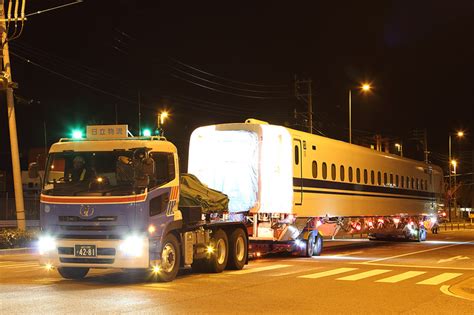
point(88, 227)
point(87, 260)
point(72, 218)
point(90, 237)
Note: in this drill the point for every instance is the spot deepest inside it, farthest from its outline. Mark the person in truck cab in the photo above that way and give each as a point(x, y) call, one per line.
point(79, 171)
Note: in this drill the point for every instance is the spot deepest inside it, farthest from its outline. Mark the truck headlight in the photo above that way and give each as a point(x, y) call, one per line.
point(132, 246)
point(46, 244)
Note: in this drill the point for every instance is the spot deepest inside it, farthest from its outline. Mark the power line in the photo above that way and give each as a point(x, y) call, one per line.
point(227, 79)
point(224, 85)
point(225, 92)
point(72, 79)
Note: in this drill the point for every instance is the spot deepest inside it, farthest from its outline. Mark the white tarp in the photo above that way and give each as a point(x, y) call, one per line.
point(227, 161)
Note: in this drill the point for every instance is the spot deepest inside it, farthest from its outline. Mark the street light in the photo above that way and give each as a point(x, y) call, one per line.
point(161, 119)
point(399, 147)
point(365, 87)
point(459, 134)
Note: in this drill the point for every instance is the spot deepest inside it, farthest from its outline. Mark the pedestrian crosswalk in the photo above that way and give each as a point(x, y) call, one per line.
point(342, 274)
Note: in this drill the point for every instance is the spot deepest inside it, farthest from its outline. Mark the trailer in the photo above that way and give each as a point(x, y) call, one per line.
point(292, 188)
point(111, 200)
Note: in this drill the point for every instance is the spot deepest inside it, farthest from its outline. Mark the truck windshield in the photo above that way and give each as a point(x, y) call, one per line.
point(89, 173)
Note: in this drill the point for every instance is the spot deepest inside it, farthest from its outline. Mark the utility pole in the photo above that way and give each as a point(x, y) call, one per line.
point(307, 98)
point(7, 77)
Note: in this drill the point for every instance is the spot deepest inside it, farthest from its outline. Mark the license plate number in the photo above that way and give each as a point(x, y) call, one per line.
point(85, 250)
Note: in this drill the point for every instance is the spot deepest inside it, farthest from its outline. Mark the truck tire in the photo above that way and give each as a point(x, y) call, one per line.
point(218, 259)
point(238, 250)
point(170, 259)
point(318, 245)
point(73, 272)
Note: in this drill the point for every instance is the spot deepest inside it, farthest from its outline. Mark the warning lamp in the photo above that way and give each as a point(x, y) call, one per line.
point(146, 132)
point(77, 134)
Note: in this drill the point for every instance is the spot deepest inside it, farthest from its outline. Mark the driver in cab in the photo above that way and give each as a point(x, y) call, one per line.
point(79, 172)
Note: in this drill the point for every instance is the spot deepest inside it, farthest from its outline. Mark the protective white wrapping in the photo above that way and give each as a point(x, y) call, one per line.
point(227, 161)
point(250, 163)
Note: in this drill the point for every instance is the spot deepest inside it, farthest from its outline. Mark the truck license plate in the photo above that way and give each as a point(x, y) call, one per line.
point(85, 250)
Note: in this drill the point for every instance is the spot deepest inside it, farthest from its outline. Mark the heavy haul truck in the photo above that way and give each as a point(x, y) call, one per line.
point(286, 188)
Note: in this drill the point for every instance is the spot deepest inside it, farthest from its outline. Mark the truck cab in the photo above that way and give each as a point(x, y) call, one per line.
point(111, 201)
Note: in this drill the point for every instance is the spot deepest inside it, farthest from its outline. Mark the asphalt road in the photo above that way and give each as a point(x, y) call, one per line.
point(351, 277)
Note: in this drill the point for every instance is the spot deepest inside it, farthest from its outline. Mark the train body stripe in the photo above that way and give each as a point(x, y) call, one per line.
point(359, 188)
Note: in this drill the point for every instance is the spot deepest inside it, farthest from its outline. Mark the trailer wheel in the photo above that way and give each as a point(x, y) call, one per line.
point(170, 258)
point(73, 273)
point(218, 258)
point(421, 235)
point(237, 250)
point(318, 245)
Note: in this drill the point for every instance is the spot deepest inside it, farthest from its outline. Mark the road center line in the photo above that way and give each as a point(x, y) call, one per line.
point(417, 252)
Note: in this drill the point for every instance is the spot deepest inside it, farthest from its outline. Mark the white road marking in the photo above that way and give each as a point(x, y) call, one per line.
point(412, 266)
point(445, 290)
point(258, 269)
point(418, 252)
point(401, 277)
point(452, 259)
point(327, 273)
point(440, 278)
point(363, 275)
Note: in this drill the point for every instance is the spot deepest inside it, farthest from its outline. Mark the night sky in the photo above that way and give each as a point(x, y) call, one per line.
point(216, 62)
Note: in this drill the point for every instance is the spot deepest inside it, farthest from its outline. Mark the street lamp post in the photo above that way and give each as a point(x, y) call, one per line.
point(366, 87)
point(454, 163)
point(459, 134)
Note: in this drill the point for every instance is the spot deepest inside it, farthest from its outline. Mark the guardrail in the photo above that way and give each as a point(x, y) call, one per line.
point(13, 223)
point(8, 209)
point(455, 226)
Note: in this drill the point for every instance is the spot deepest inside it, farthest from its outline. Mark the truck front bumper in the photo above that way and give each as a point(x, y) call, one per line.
point(109, 254)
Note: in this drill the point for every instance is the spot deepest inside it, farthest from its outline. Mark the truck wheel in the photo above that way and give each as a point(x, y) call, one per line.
point(73, 273)
point(318, 245)
point(237, 250)
point(218, 259)
point(170, 257)
point(421, 235)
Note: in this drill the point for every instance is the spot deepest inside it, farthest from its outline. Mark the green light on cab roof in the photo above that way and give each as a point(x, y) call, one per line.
point(77, 134)
point(146, 132)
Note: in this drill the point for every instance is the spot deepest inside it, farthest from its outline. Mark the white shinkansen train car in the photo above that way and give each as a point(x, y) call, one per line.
point(289, 183)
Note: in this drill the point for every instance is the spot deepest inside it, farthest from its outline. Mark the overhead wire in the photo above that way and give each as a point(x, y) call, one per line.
point(226, 92)
point(72, 79)
point(227, 79)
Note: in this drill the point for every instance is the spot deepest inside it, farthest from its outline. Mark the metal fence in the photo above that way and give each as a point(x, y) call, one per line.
point(8, 208)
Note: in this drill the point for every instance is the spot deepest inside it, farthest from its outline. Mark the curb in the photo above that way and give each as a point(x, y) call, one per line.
point(15, 251)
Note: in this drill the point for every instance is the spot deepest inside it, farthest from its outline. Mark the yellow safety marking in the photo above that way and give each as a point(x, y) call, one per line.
point(327, 273)
point(401, 277)
point(258, 269)
point(440, 278)
point(364, 275)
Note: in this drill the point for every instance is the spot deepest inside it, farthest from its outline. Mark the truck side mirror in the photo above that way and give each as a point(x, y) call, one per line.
point(33, 170)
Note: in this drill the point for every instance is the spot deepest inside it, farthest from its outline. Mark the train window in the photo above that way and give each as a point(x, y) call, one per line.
point(426, 184)
point(325, 170)
point(412, 183)
point(402, 181)
point(341, 172)
point(396, 180)
point(358, 175)
point(379, 178)
point(385, 179)
point(297, 155)
point(391, 179)
point(314, 147)
point(417, 187)
point(365, 176)
point(315, 169)
point(372, 177)
point(421, 184)
point(333, 171)
point(407, 182)
point(350, 174)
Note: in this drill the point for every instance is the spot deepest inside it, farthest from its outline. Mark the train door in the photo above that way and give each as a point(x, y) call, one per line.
point(297, 172)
